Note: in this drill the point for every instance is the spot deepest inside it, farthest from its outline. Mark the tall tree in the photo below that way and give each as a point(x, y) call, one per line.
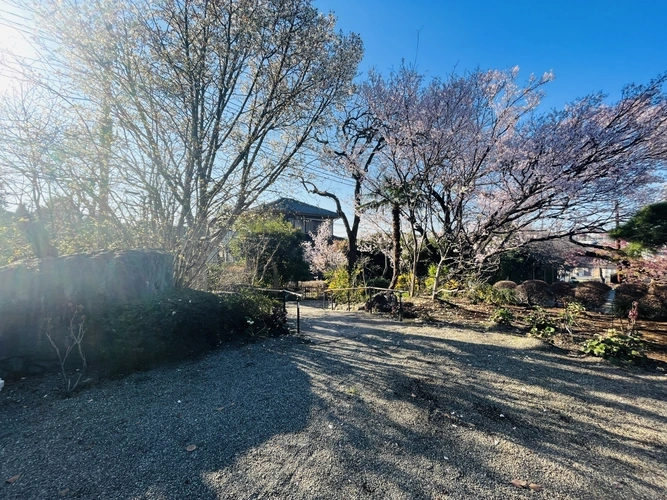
point(348, 149)
point(200, 105)
point(489, 174)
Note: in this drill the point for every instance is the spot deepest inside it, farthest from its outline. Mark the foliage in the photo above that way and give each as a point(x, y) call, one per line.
point(270, 249)
point(593, 294)
point(651, 305)
point(178, 325)
point(502, 316)
point(378, 282)
point(540, 323)
point(569, 317)
point(341, 279)
point(562, 289)
point(541, 177)
point(648, 227)
point(617, 347)
point(174, 117)
point(13, 244)
point(505, 285)
point(485, 293)
point(535, 293)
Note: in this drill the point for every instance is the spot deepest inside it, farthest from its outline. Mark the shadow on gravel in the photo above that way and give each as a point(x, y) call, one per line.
point(418, 416)
point(128, 438)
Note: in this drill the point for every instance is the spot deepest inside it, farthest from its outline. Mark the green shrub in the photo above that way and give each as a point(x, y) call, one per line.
point(502, 316)
point(340, 278)
point(617, 347)
point(541, 324)
point(487, 294)
point(571, 314)
point(179, 325)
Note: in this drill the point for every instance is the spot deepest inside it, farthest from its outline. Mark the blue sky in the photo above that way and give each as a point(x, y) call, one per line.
point(591, 45)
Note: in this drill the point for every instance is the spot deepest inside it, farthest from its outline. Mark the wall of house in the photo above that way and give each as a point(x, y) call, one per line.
point(36, 293)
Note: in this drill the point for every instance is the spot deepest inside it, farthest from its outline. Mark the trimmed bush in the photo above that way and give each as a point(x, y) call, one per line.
point(535, 293)
point(562, 289)
point(505, 285)
point(592, 294)
point(626, 293)
point(179, 325)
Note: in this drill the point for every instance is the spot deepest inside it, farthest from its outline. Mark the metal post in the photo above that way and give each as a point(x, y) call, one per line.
point(400, 307)
point(284, 300)
point(348, 300)
point(298, 317)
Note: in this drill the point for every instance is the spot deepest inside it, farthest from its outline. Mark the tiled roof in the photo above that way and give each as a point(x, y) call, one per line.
point(295, 207)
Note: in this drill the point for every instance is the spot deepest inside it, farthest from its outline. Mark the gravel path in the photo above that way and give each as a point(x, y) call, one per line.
point(359, 407)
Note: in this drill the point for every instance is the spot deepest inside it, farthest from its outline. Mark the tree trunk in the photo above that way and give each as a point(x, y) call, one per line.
point(396, 236)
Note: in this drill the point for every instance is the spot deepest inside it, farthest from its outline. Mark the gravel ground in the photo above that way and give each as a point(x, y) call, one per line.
point(359, 406)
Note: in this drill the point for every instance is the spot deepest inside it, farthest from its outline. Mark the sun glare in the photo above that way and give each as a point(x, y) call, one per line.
point(14, 29)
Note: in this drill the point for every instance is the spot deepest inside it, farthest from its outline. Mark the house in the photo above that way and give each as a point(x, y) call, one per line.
point(307, 218)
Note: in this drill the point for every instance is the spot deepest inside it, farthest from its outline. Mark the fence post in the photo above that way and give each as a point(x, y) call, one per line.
point(348, 300)
point(284, 300)
point(400, 307)
point(298, 317)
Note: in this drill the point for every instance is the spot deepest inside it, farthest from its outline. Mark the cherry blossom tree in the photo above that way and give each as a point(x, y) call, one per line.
point(473, 158)
point(348, 149)
point(322, 254)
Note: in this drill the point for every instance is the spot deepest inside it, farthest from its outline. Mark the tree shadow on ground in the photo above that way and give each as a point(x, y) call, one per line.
point(402, 402)
point(128, 438)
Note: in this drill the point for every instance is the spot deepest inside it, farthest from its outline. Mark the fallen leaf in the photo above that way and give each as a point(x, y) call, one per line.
point(64, 492)
point(519, 483)
point(535, 487)
point(191, 447)
point(13, 479)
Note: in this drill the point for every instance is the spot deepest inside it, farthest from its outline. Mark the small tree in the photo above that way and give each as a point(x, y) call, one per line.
point(270, 249)
point(323, 254)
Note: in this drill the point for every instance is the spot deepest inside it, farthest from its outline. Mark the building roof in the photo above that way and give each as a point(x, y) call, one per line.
point(290, 206)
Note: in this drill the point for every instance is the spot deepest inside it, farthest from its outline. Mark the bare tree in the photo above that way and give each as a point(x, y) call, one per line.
point(348, 149)
point(196, 107)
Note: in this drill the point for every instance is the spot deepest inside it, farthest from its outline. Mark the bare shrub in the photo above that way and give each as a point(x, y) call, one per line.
point(73, 339)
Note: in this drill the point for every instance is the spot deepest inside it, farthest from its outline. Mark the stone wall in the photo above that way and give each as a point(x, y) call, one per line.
point(33, 293)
